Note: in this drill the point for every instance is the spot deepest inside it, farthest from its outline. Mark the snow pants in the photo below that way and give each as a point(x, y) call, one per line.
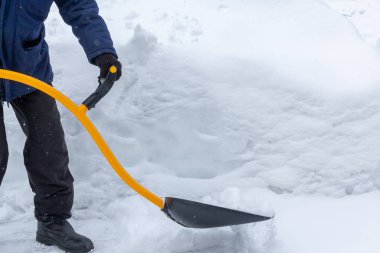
point(45, 155)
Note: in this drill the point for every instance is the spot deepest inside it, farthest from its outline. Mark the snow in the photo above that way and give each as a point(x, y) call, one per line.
point(263, 106)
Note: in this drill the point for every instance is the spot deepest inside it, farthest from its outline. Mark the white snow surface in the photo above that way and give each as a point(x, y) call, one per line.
point(263, 106)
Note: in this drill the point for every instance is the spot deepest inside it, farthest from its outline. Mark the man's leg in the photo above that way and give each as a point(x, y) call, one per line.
point(3, 146)
point(46, 160)
point(45, 155)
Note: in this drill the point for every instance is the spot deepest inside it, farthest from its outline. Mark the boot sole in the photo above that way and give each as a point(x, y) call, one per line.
point(50, 241)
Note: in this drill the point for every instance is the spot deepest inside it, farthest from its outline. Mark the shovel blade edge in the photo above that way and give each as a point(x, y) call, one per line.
point(198, 215)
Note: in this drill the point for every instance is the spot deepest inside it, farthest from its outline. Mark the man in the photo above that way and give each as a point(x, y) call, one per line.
point(24, 49)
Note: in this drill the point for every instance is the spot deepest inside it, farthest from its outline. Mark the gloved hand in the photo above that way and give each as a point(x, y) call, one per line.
point(104, 62)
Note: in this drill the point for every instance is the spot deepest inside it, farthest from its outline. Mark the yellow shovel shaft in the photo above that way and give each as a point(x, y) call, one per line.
point(80, 113)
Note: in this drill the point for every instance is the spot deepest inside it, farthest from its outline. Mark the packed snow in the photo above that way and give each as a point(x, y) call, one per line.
point(263, 106)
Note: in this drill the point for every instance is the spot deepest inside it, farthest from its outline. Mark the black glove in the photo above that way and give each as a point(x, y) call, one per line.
point(104, 62)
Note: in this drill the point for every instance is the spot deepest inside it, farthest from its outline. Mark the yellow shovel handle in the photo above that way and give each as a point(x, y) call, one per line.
point(80, 113)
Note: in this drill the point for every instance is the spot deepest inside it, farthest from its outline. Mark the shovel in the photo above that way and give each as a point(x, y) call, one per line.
point(185, 212)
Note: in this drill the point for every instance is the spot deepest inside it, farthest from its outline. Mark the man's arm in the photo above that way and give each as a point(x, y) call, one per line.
point(88, 27)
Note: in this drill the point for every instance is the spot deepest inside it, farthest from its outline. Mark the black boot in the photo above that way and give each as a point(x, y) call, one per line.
point(60, 233)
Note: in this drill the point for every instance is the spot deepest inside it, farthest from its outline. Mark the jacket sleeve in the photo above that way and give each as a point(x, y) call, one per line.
point(88, 26)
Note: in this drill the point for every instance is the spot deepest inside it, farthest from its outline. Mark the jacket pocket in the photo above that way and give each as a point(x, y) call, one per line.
point(34, 40)
point(33, 55)
point(29, 44)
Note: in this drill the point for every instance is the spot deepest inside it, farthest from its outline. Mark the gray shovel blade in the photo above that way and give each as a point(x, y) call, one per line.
point(198, 215)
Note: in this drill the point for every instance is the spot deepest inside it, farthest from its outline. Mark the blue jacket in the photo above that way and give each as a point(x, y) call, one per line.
point(22, 36)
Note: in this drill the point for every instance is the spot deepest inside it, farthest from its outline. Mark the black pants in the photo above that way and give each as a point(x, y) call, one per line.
point(45, 155)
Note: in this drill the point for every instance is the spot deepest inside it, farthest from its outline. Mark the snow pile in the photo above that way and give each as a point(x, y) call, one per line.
point(276, 95)
point(243, 104)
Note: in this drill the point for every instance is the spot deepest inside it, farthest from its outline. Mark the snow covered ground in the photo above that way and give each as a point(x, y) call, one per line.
point(256, 105)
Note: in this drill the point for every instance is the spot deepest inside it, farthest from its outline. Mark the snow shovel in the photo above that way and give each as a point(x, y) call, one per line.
point(185, 212)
